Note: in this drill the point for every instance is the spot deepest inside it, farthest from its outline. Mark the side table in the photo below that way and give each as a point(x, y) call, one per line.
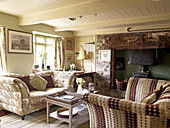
point(65, 103)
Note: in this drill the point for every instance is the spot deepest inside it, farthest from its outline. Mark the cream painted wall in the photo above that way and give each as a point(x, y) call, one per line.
point(89, 64)
point(22, 63)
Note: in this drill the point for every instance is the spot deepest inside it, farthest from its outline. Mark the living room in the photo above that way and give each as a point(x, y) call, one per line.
point(113, 28)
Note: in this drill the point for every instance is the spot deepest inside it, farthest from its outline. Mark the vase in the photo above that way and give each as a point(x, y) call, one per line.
point(80, 89)
point(42, 65)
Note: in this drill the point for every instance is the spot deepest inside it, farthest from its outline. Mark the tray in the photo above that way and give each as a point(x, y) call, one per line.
point(60, 97)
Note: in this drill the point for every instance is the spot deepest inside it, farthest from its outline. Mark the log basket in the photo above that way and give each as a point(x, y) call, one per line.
point(121, 84)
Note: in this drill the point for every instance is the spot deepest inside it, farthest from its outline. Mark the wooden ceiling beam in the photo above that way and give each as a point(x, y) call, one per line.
point(128, 22)
point(92, 7)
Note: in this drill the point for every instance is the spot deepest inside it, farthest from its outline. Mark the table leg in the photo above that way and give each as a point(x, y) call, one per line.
point(70, 117)
point(48, 112)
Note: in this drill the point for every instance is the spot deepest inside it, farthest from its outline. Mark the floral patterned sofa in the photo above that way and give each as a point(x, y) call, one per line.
point(16, 97)
point(110, 112)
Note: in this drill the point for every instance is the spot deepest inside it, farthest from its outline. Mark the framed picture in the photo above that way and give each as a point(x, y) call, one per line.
point(120, 63)
point(105, 55)
point(69, 44)
point(20, 42)
point(69, 57)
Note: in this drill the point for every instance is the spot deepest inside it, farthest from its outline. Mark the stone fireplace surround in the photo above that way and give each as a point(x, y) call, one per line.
point(105, 81)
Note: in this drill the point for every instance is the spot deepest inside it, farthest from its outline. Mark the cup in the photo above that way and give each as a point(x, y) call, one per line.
point(48, 67)
point(91, 87)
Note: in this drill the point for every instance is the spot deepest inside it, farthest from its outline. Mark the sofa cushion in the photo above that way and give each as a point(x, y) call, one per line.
point(164, 99)
point(49, 78)
point(64, 78)
point(151, 97)
point(37, 82)
point(26, 79)
point(37, 97)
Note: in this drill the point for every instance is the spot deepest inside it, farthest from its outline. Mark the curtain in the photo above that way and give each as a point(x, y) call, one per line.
point(59, 54)
point(2, 51)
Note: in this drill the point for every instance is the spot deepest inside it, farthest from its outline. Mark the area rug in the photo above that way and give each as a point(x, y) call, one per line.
point(38, 120)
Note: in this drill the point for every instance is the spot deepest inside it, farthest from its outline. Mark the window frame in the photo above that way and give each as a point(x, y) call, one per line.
point(45, 45)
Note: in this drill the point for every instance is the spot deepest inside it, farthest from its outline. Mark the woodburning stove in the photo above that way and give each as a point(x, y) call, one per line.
point(145, 58)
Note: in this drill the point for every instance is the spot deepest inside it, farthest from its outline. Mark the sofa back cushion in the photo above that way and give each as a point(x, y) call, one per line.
point(26, 79)
point(64, 78)
point(45, 73)
point(138, 88)
point(38, 83)
point(49, 78)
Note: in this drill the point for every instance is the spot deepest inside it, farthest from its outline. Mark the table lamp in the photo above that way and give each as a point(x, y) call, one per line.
point(82, 56)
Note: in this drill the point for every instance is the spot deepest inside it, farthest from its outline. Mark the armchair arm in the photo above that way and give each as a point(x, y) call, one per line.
point(113, 112)
point(13, 92)
point(128, 106)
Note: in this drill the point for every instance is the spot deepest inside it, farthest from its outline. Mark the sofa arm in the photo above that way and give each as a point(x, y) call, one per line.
point(13, 92)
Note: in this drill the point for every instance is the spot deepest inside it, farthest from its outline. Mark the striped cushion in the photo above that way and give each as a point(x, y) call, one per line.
point(151, 97)
point(164, 99)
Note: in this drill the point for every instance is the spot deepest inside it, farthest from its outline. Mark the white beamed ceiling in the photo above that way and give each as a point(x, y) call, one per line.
point(111, 14)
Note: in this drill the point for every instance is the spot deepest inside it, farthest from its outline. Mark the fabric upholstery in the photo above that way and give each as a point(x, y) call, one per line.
point(64, 79)
point(109, 112)
point(16, 97)
point(151, 97)
point(39, 83)
point(164, 99)
point(49, 79)
point(59, 54)
point(138, 88)
point(26, 79)
point(3, 55)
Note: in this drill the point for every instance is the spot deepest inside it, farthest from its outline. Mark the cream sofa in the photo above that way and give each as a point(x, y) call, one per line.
point(16, 97)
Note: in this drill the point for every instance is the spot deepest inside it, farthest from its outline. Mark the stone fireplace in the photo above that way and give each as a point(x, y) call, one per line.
point(105, 80)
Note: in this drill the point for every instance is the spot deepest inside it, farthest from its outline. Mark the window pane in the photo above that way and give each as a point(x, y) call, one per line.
point(40, 40)
point(50, 41)
point(38, 60)
point(50, 56)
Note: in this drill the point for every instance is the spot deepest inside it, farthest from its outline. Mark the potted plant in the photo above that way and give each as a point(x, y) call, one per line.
point(80, 82)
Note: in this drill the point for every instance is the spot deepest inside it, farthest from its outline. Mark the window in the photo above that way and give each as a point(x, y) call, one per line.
point(44, 44)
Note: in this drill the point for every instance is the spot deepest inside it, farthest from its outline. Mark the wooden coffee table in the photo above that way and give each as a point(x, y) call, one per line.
point(51, 99)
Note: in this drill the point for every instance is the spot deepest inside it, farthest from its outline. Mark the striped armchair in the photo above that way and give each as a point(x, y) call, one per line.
point(109, 112)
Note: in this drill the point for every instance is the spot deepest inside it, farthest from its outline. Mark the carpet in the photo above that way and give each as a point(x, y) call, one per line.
point(37, 120)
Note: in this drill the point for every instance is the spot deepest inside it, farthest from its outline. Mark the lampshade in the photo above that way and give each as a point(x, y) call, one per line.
point(82, 55)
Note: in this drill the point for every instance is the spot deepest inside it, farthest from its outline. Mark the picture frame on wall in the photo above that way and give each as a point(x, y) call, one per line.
point(69, 57)
point(69, 44)
point(20, 42)
point(105, 55)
